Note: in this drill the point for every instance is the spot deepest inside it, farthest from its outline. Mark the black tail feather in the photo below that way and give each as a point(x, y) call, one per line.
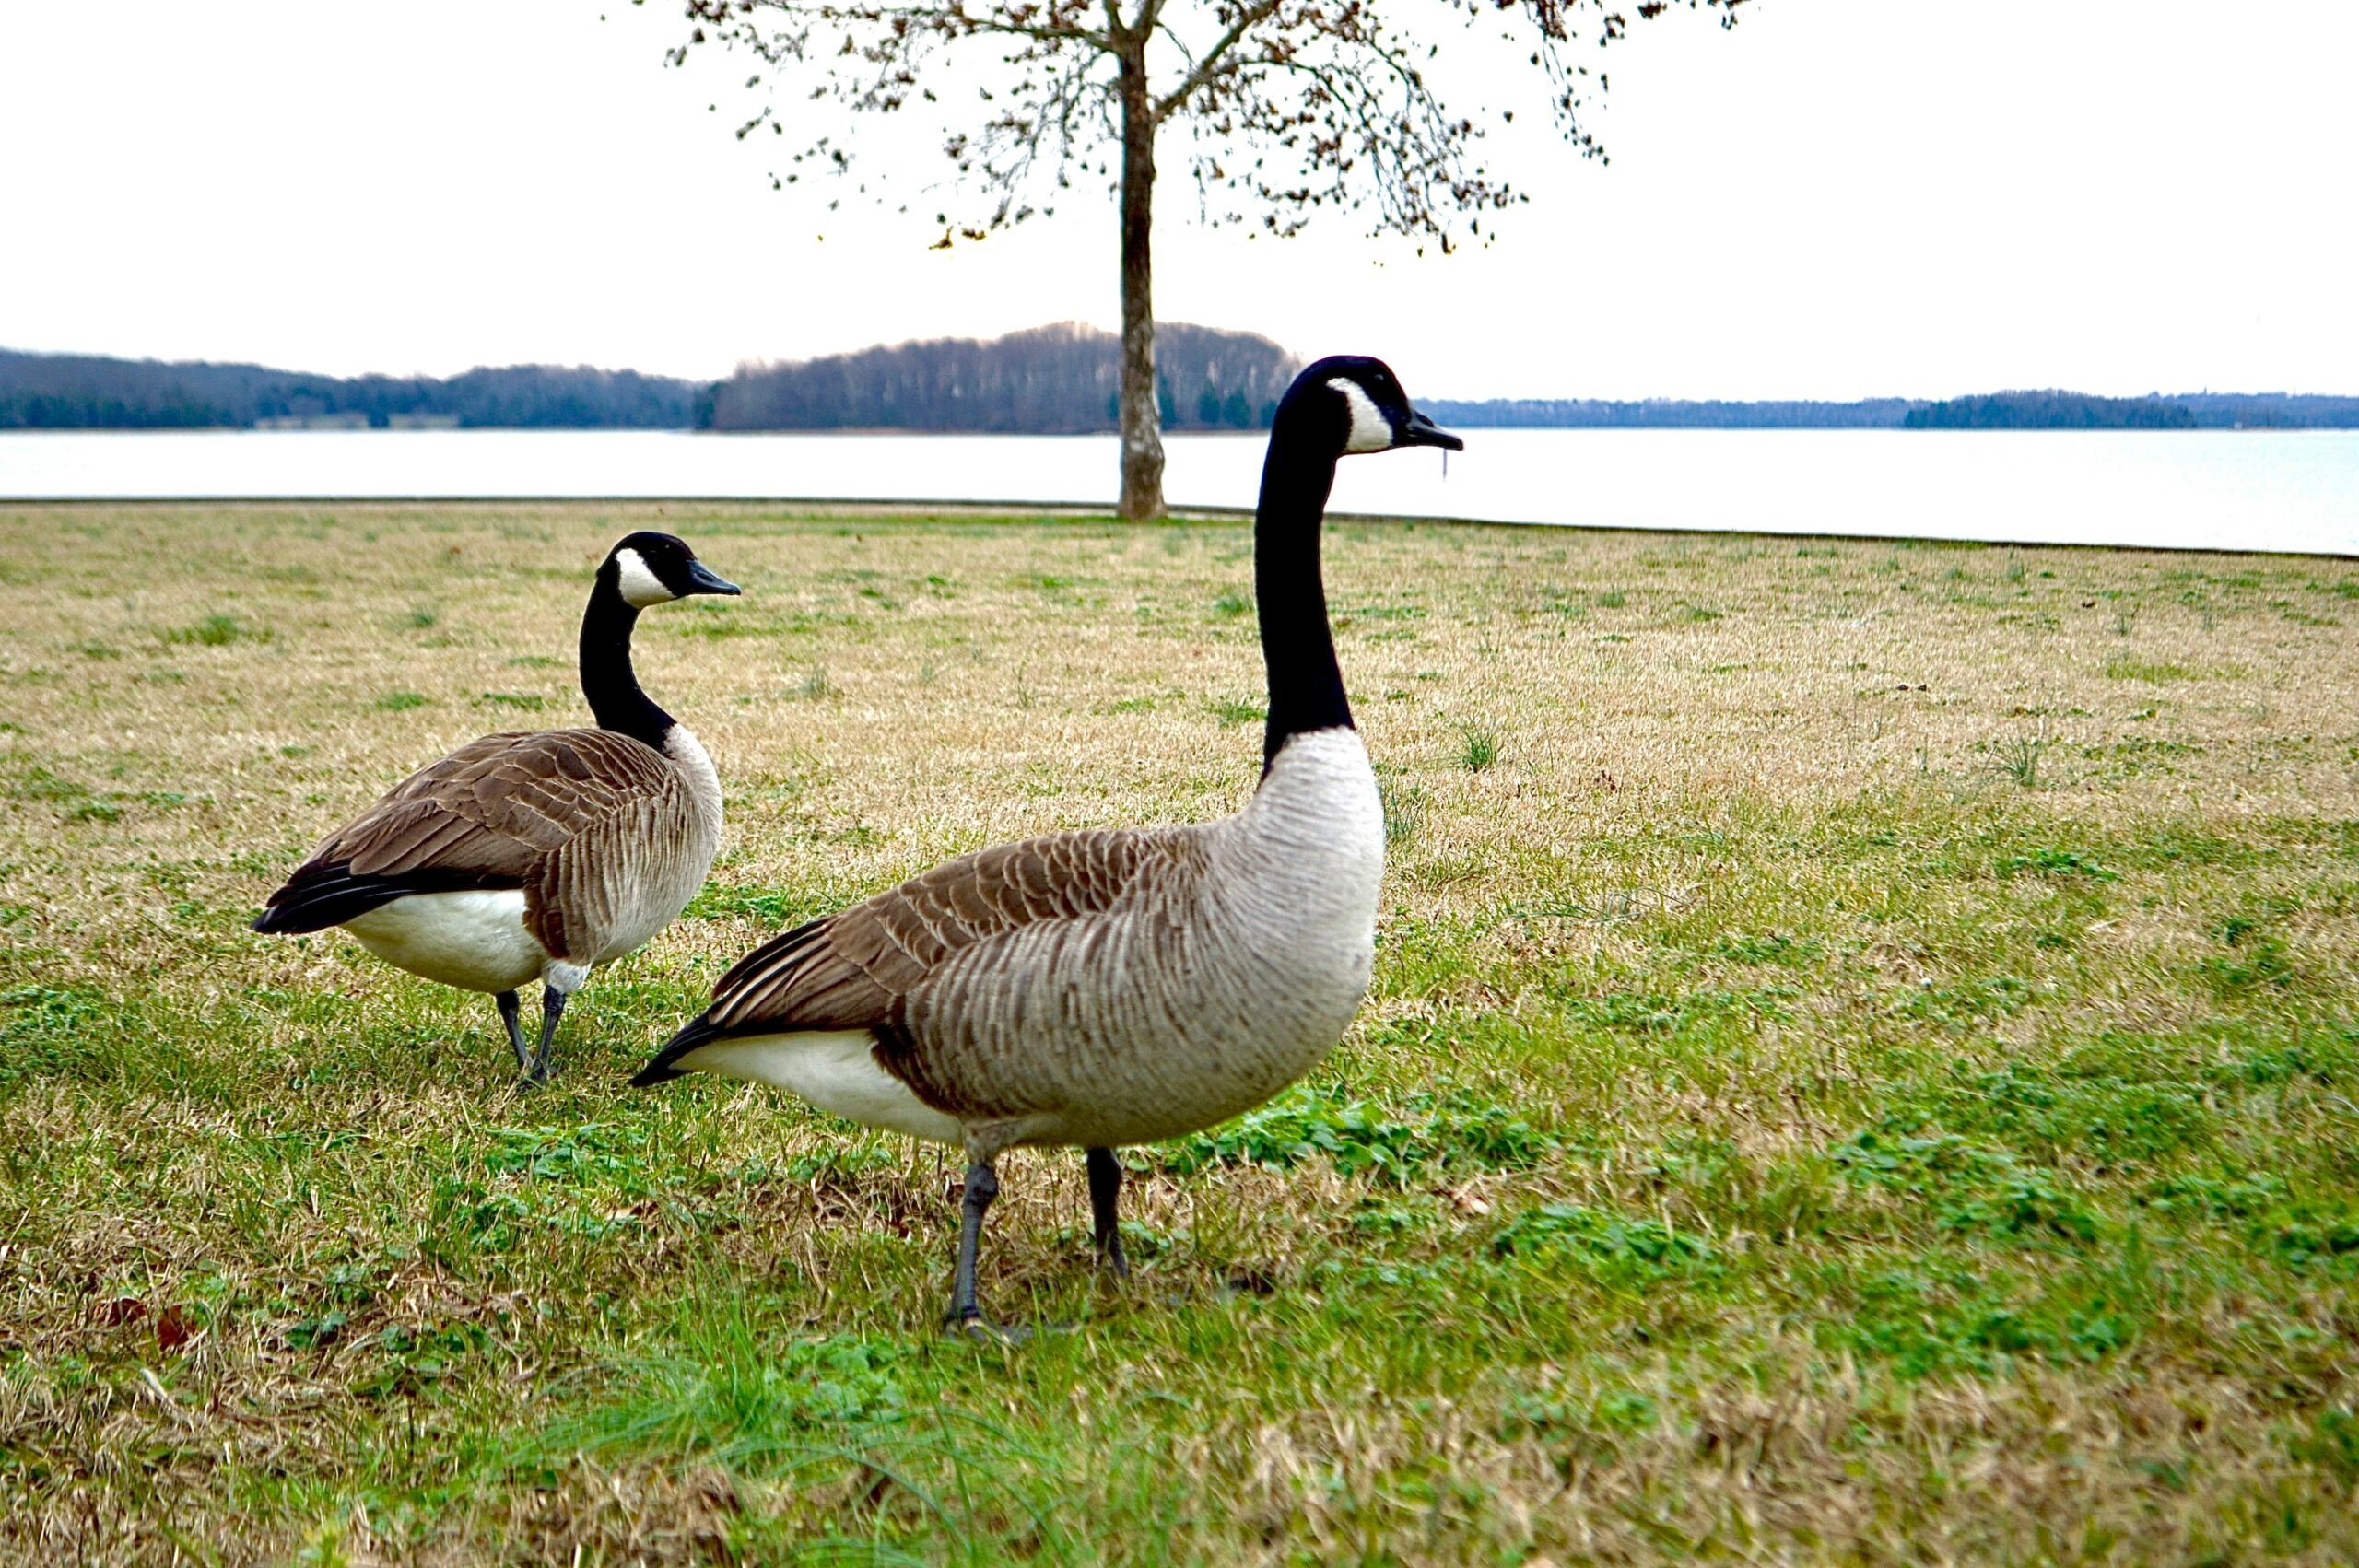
point(319, 896)
point(699, 1031)
point(327, 898)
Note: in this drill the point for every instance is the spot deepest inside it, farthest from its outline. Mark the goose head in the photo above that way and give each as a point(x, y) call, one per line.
point(1348, 403)
point(652, 568)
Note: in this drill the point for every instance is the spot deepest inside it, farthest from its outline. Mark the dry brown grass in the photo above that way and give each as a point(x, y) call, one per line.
point(1722, 866)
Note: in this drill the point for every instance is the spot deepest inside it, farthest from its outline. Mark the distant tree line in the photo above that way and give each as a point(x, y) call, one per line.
point(1997, 411)
point(2250, 411)
point(60, 391)
point(1054, 380)
point(1668, 414)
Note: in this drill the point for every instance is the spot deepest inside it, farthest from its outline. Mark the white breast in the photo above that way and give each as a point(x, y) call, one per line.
point(475, 941)
point(652, 868)
point(837, 1072)
point(1310, 847)
point(696, 764)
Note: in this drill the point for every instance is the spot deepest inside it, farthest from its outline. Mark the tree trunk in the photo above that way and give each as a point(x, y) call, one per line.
point(1141, 424)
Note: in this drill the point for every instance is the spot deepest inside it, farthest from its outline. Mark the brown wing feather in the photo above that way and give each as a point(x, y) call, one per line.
point(499, 803)
point(497, 810)
point(854, 968)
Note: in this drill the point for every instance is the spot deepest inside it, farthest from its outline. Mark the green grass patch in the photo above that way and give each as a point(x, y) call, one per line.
point(214, 631)
point(1785, 1123)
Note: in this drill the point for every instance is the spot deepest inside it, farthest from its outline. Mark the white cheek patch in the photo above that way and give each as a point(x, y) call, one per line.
point(1371, 431)
point(641, 587)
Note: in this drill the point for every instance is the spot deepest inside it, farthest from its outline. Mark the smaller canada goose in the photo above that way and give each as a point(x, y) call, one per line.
point(1120, 986)
point(535, 856)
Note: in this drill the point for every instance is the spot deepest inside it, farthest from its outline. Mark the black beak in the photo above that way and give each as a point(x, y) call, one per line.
point(704, 579)
point(1424, 432)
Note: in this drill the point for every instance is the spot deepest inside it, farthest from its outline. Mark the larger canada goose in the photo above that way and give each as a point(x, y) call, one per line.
point(524, 857)
point(1121, 986)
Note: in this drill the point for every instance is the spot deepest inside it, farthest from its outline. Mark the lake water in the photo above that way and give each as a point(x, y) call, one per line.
point(2234, 490)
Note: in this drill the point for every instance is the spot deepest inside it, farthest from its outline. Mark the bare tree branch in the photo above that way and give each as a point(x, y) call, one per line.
point(1212, 58)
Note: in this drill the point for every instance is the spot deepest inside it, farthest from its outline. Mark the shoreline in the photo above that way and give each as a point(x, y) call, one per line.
point(923, 511)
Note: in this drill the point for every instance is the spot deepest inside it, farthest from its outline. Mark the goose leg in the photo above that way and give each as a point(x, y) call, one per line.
point(511, 1008)
point(983, 1186)
point(1105, 1191)
point(551, 1009)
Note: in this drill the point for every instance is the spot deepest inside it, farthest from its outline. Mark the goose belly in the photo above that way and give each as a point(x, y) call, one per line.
point(1144, 1029)
point(644, 912)
point(1193, 1072)
point(1285, 945)
point(1193, 1006)
point(837, 1072)
point(475, 941)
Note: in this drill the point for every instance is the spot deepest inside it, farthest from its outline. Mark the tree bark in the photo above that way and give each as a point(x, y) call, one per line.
point(1141, 422)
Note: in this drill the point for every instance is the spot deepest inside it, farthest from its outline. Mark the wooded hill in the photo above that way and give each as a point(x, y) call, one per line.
point(1051, 380)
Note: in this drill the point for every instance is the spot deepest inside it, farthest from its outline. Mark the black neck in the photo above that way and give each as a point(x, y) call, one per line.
point(1298, 649)
point(606, 677)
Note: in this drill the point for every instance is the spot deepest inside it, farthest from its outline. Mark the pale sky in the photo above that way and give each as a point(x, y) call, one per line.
point(1839, 198)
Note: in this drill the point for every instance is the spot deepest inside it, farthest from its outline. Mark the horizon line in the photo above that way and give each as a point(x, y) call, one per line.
point(757, 366)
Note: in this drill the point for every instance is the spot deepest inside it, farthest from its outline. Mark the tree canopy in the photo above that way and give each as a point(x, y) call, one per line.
point(1291, 105)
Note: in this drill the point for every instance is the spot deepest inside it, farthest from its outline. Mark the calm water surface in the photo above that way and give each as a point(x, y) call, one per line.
point(2289, 490)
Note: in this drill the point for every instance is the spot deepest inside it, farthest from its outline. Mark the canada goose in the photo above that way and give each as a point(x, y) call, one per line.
point(1119, 986)
point(524, 856)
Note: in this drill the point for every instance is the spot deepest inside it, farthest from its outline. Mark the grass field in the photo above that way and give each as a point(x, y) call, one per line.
point(1861, 1066)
